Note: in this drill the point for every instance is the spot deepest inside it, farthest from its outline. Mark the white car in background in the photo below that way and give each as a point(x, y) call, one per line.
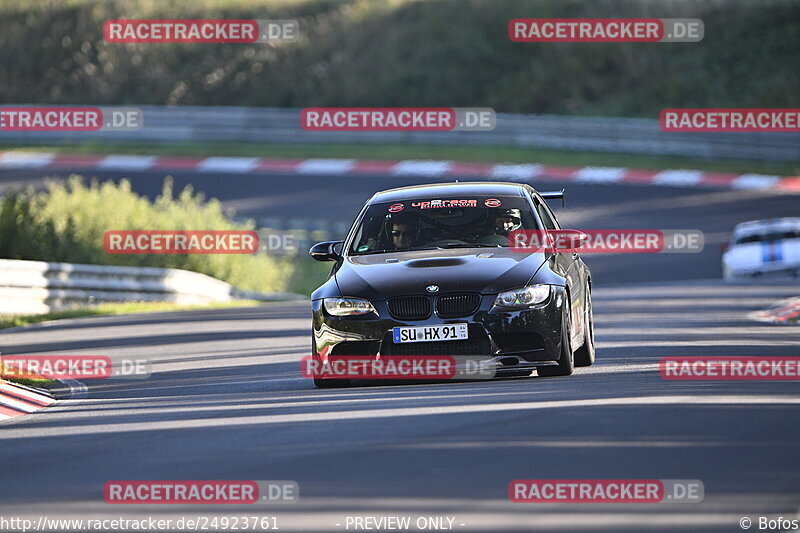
point(763, 248)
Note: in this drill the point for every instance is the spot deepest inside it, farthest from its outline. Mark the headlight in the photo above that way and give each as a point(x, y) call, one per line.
point(347, 306)
point(524, 297)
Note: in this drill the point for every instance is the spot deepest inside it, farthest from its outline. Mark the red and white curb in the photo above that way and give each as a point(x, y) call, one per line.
point(17, 400)
point(786, 312)
point(410, 168)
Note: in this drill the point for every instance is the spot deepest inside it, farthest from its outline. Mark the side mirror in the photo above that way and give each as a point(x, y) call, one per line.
point(568, 239)
point(325, 251)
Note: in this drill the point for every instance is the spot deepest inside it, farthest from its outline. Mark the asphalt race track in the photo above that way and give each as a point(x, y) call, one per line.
point(226, 400)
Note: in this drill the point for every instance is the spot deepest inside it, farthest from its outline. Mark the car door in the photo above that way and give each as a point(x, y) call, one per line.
point(568, 265)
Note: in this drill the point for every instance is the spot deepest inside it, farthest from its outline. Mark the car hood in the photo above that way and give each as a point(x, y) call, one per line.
point(754, 255)
point(485, 270)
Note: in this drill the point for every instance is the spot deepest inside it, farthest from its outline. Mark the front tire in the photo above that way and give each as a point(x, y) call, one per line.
point(566, 363)
point(585, 355)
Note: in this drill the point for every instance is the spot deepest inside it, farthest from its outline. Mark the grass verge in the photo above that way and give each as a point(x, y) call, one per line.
point(39, 383)
point(67, 220)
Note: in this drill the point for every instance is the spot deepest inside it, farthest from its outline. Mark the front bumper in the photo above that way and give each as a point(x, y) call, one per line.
point(516, 339)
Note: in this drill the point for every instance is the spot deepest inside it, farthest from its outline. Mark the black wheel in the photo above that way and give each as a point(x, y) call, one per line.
point(566, 363)
point(585, 355)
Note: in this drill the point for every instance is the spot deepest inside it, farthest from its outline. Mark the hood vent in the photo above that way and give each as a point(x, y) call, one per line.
point(442, 262)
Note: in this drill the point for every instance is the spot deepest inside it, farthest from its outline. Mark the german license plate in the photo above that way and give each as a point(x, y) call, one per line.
point(443, 332)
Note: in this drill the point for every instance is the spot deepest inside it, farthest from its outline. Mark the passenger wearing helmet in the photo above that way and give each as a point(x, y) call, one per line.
point(506, 221)
point(501, 223)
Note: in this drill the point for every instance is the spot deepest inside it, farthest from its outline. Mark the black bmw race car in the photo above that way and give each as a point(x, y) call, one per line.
point(430, 270)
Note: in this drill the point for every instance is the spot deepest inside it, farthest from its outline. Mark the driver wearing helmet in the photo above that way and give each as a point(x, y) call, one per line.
point(403, 231)
point(506, 221)
point(399, 232)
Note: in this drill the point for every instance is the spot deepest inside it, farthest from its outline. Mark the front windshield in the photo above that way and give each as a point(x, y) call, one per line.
point(768, 237)
point(452, 222)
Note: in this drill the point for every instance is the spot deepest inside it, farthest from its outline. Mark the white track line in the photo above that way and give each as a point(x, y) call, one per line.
point(754, 181)
point(25, 159)
point(421, 168)
point(678, 178)
point(127, 162)
point(19, 391)
point(18, 405)
point(326, 166)
point(515, 172)
point(242, 165)
point(600, 174)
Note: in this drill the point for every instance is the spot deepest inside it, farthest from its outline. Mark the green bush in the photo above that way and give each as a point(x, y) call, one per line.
point(66, 223)
point(405, 53)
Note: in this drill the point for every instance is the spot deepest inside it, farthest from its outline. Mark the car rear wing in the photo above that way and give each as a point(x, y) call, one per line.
point(554, 195)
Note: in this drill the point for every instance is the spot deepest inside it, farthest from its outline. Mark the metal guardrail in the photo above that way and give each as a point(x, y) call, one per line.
point(277, 125)
point(293, 237)
point(34, 287)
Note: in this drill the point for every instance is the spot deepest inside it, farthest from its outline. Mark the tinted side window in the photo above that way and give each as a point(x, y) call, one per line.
point(547, 217)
